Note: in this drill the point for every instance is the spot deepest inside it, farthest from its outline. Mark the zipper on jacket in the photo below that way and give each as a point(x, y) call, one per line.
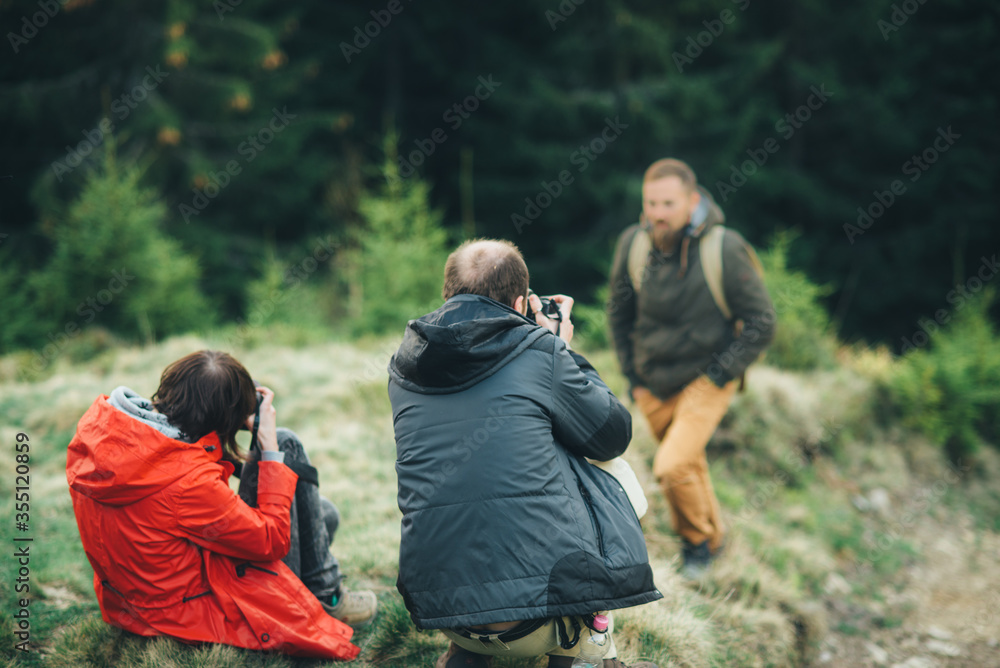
point(241, 569)
point(191, 598)
point(588, 501)
point(107, 585)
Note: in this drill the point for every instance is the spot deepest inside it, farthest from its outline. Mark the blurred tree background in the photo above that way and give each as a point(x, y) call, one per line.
point(237, 131)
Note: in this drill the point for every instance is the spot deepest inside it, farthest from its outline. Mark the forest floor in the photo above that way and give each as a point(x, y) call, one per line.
point(941, 611)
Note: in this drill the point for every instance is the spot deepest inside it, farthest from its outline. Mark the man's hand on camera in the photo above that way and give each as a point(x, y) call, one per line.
point(563, 328)
point(267, 432)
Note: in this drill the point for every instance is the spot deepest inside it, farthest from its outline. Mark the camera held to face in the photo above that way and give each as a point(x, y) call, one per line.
point(550, 309)
point(256, 411)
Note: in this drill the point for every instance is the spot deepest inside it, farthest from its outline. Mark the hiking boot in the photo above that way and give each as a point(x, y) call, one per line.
point(458, 657)
point(696, 559)
point(354, 608)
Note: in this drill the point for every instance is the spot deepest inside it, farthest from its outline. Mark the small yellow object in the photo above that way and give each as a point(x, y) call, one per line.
point(240, 102)
point(274, 60)
point(177, 59)
point(168, 136)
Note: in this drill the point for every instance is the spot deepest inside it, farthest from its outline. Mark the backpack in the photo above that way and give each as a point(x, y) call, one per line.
point(710, 252)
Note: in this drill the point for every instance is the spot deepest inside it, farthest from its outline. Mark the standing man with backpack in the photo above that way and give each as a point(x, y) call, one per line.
point(688, 312)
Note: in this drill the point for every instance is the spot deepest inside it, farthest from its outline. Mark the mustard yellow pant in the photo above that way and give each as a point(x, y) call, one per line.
point(683, 424)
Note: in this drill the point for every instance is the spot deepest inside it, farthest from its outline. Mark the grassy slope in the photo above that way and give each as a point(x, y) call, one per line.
point(787, 462)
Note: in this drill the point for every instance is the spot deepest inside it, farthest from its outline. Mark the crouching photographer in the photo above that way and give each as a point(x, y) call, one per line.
point(175, 551)
point(511, 541)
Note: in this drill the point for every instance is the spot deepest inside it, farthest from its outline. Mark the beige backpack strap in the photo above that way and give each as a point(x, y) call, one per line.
point(638, 253)
point(711, 264)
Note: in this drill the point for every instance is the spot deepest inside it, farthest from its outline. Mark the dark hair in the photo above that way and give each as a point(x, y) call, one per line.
point(204, 392)
point(492, 268)
point(661, 169)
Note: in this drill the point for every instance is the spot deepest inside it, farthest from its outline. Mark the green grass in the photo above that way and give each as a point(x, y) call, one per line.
point(790, 516)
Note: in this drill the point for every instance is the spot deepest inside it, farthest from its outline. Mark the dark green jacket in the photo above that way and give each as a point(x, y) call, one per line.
point(673, 331)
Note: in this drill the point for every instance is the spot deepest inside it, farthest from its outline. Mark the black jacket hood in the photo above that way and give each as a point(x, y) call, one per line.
point(465, 341)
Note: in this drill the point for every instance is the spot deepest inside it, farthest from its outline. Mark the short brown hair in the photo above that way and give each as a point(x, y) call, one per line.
point(661, 169)
point(492, 268)
point(204, 392)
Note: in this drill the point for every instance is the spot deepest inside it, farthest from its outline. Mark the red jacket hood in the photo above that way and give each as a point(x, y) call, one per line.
point(117, 460)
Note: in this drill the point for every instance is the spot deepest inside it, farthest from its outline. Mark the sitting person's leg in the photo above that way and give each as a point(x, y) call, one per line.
point(314, 520)
point(313, 562)
point(331, 517)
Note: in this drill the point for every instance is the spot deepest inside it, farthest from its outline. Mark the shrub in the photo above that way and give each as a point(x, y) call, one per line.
point(113, 265)
point(288, 292)
point(22, 326)
point(804, 338)
point(590, 322)
point(394, 270)
point(950, 389)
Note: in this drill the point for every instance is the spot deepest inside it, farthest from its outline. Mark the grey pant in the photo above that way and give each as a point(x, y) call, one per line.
point(314, 521)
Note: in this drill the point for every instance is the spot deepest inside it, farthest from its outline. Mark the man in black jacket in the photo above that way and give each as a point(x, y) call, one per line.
point(687, 317)
point(511, 540)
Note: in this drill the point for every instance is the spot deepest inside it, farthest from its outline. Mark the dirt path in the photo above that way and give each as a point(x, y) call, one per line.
point(942, 610)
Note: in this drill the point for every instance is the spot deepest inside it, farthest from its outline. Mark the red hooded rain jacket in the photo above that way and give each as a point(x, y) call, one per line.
point(176, 552)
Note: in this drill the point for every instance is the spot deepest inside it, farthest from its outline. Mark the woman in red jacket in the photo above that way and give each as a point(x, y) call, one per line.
point(175, 551)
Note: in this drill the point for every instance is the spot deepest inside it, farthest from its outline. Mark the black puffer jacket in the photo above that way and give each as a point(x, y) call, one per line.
point(503, 518)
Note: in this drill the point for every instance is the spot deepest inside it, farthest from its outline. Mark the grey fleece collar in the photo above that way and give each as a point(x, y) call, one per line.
point(141, 409)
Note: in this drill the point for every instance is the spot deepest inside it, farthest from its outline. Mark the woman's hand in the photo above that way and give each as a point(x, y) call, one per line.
point(267, 431)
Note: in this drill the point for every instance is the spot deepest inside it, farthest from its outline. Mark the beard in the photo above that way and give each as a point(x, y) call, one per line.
point(665, 239)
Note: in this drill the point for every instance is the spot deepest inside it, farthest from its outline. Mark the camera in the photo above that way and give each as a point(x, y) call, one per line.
point(256, 410)
point(550, 309)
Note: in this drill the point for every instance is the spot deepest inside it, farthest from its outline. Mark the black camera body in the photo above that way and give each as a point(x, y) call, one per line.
point(256, 413)
point(550, 309)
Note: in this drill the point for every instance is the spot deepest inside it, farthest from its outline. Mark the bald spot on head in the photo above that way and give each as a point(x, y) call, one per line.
point(488, 267)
